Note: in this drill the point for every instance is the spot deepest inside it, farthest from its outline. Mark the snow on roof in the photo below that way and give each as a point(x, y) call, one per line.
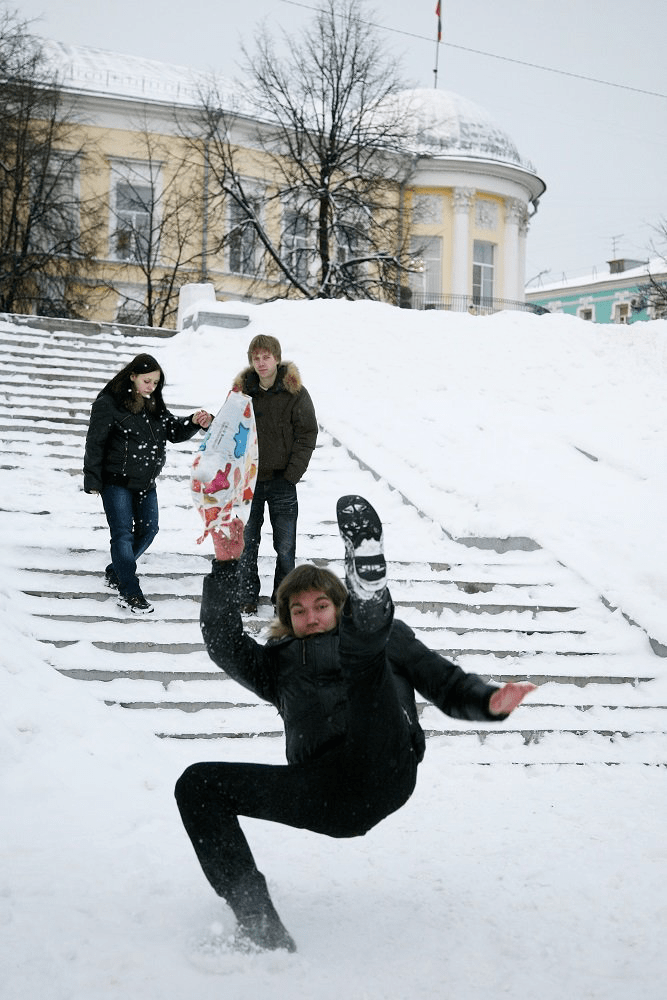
point(446, 124)
point(91, 70)
point(656, 266)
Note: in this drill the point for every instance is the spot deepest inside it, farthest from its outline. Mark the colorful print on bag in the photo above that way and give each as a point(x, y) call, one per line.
point(224, 470)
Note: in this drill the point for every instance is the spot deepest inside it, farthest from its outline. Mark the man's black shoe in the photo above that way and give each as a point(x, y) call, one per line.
point(361, 530)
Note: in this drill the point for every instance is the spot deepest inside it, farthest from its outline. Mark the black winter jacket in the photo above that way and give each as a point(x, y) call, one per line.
point(286, 422)
point(304, 680)
point(129, 449)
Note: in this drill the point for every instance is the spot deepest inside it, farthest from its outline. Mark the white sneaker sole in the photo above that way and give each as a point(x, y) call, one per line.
point(136, 611)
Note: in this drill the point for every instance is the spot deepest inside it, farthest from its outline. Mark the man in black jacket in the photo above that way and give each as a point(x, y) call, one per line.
point(342, 673)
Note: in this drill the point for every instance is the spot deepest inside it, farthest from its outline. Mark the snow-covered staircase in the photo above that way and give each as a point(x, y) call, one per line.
point(507, 612)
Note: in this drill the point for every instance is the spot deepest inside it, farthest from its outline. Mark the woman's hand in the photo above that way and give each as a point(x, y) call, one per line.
point(203, 418)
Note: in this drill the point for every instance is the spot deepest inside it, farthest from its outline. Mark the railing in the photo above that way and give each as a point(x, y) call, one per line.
point(475, 305)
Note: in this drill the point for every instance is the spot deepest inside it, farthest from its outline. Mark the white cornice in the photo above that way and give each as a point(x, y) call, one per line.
point(491, 176)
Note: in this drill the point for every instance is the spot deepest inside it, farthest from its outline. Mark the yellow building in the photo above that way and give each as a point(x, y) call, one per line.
point(464, 207)
point(470, 199)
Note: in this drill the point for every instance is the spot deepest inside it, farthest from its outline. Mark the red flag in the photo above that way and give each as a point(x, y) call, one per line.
point(437, 11)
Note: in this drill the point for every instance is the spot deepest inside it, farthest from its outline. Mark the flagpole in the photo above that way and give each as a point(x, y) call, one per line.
point(437, 44)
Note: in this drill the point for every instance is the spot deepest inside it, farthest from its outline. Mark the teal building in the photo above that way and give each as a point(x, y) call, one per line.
point(613, 297)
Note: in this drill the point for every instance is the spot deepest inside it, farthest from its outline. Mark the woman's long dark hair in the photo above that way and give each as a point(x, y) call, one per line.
point(121, 386)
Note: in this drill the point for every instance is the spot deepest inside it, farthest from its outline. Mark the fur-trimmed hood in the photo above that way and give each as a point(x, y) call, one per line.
point(278, 631)
point(288, 378)
point(286, 422)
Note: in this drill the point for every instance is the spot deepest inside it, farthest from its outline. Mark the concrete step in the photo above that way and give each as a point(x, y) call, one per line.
point(501, 607)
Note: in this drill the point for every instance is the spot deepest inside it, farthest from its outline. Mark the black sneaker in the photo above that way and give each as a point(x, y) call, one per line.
point(110, 579)
point(361, 530)
point(136, 603)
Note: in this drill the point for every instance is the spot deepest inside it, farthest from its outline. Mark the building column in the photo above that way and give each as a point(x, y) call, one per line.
point(523, 242)
point(462, 199)
point(513, 278)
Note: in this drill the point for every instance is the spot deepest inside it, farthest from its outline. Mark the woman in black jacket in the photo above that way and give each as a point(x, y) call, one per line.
point(126, 448)
point(342, 673)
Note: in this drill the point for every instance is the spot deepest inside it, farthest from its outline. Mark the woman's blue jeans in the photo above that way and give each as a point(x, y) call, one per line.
point(132, 516)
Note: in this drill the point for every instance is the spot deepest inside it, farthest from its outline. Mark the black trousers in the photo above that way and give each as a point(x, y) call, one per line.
point(343, 793)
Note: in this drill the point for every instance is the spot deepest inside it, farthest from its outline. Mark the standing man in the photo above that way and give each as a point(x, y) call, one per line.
point(286, 437)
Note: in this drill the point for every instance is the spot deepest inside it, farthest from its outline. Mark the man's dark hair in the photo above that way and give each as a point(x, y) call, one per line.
point(306, 577)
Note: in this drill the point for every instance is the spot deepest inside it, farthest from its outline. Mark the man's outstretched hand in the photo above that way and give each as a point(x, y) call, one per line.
point(228, 548)
point(505, 699)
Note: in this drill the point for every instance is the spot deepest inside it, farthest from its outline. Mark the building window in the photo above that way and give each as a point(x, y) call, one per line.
point(587, 313)
point(350, 240)
point(243, 242)
point(295, 242)
point(622, 312)
point(55, 207)
point(482, 272)
point(135, 201)
point(132, 220)
point(51, 299)
point(426, 279)
point(131, 308)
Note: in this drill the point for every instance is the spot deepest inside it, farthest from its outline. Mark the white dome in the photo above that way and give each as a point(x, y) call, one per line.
point(446, 124)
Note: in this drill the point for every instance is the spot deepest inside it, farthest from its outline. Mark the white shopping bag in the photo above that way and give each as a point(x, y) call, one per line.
point(224, 470)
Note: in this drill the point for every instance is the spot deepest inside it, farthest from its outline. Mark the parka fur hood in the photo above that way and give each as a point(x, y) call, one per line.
point(286, 422)
point(277, 630)
point(288, 376)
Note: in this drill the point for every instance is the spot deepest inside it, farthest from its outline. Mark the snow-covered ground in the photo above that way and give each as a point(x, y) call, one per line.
point(544, 881)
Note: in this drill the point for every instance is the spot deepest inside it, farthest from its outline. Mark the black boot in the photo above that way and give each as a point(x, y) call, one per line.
point(259, 926)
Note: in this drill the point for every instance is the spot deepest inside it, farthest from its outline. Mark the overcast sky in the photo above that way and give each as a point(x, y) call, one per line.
point(595, 130)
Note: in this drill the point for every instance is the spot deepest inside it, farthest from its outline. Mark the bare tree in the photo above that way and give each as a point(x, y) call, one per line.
point(652, 294)
point(156, 211)
point(47, 238)
point(325, 218)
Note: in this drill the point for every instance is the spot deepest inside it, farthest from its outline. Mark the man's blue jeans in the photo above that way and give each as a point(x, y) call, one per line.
point(133, 522)
point(280, 497)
